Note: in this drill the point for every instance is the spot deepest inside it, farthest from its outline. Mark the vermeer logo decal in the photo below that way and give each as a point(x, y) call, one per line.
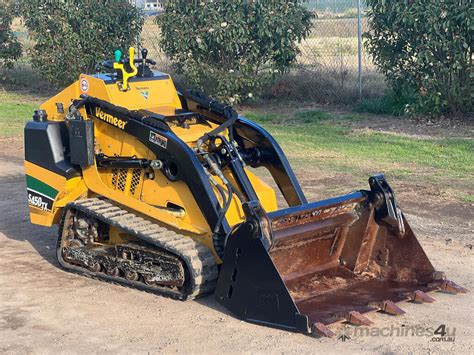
point(110, 119)
point(144, 91)
point(158, 139)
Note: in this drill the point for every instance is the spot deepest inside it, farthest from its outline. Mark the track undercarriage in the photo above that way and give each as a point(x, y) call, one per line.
point(183, 160)
point(153, 258)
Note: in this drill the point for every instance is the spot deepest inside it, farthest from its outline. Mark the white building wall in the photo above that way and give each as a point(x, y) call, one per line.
point(148, 4)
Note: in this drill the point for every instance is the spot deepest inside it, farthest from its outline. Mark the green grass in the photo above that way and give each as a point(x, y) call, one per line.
point(388, 104)
point(15, 111)
point(312, 116)
point(332, 142)
point(468, 198)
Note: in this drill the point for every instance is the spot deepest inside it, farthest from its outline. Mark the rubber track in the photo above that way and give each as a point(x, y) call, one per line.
point(198, 259)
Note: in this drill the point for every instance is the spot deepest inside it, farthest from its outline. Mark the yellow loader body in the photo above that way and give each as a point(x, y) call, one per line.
point(153, 188)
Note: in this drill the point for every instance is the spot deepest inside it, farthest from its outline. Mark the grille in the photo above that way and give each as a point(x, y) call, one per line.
point(136, 175)
point(114, 177)
point(122, 179)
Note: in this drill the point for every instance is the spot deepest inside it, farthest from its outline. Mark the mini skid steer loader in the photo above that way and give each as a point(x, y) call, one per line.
point(153, 188)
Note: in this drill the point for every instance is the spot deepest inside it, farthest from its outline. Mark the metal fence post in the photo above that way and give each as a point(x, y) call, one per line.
point(359, 45)
point(332, 62)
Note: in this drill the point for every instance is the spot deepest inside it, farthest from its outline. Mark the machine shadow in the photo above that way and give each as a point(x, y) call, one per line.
point(210, 301)
point(15, 222)
point(15, 225)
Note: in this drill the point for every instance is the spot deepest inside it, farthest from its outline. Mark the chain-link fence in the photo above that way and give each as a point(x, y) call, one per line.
point(333, 66)
point(327, 69)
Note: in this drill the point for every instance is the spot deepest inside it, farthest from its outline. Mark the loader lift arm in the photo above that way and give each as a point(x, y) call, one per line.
point(255, 140)
point(257, 145)
point(154, 191)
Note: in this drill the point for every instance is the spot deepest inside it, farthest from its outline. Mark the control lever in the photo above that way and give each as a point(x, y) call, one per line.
point(144, 55)
point(143, 69)
point(119, 65)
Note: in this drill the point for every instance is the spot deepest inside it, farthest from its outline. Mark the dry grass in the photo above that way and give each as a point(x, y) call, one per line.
point(326, 68)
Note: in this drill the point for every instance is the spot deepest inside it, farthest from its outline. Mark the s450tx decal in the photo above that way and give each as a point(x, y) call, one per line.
point(40, 201)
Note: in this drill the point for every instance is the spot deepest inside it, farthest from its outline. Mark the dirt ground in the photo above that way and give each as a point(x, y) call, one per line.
point(44, 309)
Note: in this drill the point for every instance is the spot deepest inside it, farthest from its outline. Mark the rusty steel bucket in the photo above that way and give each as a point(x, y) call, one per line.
point(310, 266)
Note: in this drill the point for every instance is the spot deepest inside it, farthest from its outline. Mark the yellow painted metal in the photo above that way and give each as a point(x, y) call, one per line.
point(73, 191)
point(68, 190)
point(54, 180)
point(148, 197)
point(63, 98)
point(117, 237)
point(265, 193)
point(40, 217)
point(95, 184)
point(159, 192)
point(125, 74)
point(153, 94)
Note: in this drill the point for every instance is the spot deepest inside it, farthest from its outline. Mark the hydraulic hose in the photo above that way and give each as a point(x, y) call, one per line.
point(215, 168)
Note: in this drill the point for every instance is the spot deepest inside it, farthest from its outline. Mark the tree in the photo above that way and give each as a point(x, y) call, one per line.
point(424, 48)
point(71, 36)
point(230, 49)
point(10, 47)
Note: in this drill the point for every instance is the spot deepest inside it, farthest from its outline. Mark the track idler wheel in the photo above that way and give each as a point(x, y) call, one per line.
point(149, 280)
point(95, 267)
point(131, 275)
point(113, 271)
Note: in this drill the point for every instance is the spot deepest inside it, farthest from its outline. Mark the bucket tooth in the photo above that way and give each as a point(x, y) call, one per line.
point(391, 308)
point(453, 288)
point(356, 318)
point(325, 262)
point(321, 329)
point(421, 297)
